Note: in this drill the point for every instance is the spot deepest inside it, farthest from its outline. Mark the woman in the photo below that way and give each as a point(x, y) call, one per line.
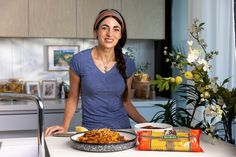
point(103, 76)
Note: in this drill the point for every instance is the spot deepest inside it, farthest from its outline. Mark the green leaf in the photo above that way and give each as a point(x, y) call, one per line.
point(201, 24)
point(226, 81)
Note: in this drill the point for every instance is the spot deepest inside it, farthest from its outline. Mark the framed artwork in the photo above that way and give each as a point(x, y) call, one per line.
point(33, 87)
point(59, 56)
point(49, 89)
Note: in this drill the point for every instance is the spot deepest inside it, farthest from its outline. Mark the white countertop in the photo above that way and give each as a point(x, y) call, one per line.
point(19, 147)
point(60, 147)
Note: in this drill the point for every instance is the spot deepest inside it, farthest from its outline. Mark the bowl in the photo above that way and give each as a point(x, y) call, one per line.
point(152, 126)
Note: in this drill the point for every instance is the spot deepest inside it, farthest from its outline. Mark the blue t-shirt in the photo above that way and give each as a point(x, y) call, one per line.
point(101, 93)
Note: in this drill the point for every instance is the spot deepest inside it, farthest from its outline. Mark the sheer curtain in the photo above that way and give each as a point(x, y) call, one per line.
point(219, 34)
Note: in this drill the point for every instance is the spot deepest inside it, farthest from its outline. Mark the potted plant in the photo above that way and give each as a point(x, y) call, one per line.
point(199, 90)
point(141, 81)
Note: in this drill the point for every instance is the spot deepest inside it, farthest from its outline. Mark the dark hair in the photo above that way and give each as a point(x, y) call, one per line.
point(121, 65)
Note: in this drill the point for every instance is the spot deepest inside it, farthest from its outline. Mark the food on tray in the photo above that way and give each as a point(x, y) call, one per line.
point(103, 135)
point(170, 140)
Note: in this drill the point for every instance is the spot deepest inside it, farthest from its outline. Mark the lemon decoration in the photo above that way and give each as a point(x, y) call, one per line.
point(206, 94)
point(196, 77)
point(178, 80)
point(199, 68)
point(80, 129)
point(172, 80)
point(188, 75)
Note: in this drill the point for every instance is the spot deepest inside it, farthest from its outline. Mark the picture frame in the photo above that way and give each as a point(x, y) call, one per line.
point(33, 87)
point(49, 88)
point(59, 56)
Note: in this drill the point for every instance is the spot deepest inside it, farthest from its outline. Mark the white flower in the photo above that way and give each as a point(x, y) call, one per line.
point(190, 43)
point(213, 84)
point(213, 107)
point(202, 100)
point(206, 66)
point(220, 101)
point(214, 114)
point(193, 55)
point(214, 87)
point(165, 52)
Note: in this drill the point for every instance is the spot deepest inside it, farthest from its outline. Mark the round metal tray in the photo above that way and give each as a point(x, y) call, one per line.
point(111, 147)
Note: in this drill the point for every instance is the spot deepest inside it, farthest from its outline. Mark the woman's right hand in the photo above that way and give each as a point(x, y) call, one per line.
point(56, 129)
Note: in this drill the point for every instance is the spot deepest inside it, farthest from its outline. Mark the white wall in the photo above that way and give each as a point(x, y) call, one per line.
point(26, 58)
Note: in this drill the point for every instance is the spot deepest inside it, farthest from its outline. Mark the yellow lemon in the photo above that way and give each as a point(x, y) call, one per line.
point(172, 80)
point(80, 129)
point(188, 75)
point(199, 67)
point(206, 94)
point(178, 80)
point(196, 77)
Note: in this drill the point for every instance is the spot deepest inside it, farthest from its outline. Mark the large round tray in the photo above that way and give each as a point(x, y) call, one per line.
point(105, 147)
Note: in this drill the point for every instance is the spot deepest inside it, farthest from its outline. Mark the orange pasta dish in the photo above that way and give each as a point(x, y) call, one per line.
point(103, 136)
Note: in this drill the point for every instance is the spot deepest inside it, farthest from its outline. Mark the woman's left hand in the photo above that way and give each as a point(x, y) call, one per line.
point(56, 129)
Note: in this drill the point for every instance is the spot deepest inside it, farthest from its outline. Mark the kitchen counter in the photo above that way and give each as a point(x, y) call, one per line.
point(60, 147)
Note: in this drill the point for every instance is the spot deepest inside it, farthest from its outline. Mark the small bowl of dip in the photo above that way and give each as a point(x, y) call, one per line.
point(152, 126)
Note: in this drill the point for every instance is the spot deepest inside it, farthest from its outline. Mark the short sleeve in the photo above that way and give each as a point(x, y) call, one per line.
point(75, 64)
point(130, 66)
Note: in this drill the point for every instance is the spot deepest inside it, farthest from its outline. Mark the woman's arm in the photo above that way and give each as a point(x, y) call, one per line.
point(73, 99)
point(129, 107)
point(70, 106)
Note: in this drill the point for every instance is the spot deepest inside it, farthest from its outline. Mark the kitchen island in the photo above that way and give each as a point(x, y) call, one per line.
point(60, 147)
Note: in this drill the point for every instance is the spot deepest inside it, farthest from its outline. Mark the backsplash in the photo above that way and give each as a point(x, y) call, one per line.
point(26, 58)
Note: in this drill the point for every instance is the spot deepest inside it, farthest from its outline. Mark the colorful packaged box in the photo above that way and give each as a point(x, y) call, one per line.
point(170, 140)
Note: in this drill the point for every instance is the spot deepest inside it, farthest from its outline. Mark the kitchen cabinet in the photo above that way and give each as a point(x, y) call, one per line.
point(22, 115)
point(14, 18)
point(52, 18)
point(145, 19)
point(87, 11)
point(17, 122)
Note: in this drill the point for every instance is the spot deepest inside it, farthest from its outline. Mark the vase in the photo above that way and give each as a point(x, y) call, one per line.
point(141, 89)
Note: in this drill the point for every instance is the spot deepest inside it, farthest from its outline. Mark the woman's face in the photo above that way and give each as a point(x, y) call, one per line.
point(108, 33)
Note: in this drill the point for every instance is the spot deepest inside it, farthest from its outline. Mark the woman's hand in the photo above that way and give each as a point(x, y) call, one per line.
point(56, 129)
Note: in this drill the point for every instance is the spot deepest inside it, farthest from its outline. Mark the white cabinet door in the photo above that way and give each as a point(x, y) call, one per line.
point(18, 122)
point(30, 121)
point(13, 18)
point(52, 18)
point(87, 11)
point(145, 19)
